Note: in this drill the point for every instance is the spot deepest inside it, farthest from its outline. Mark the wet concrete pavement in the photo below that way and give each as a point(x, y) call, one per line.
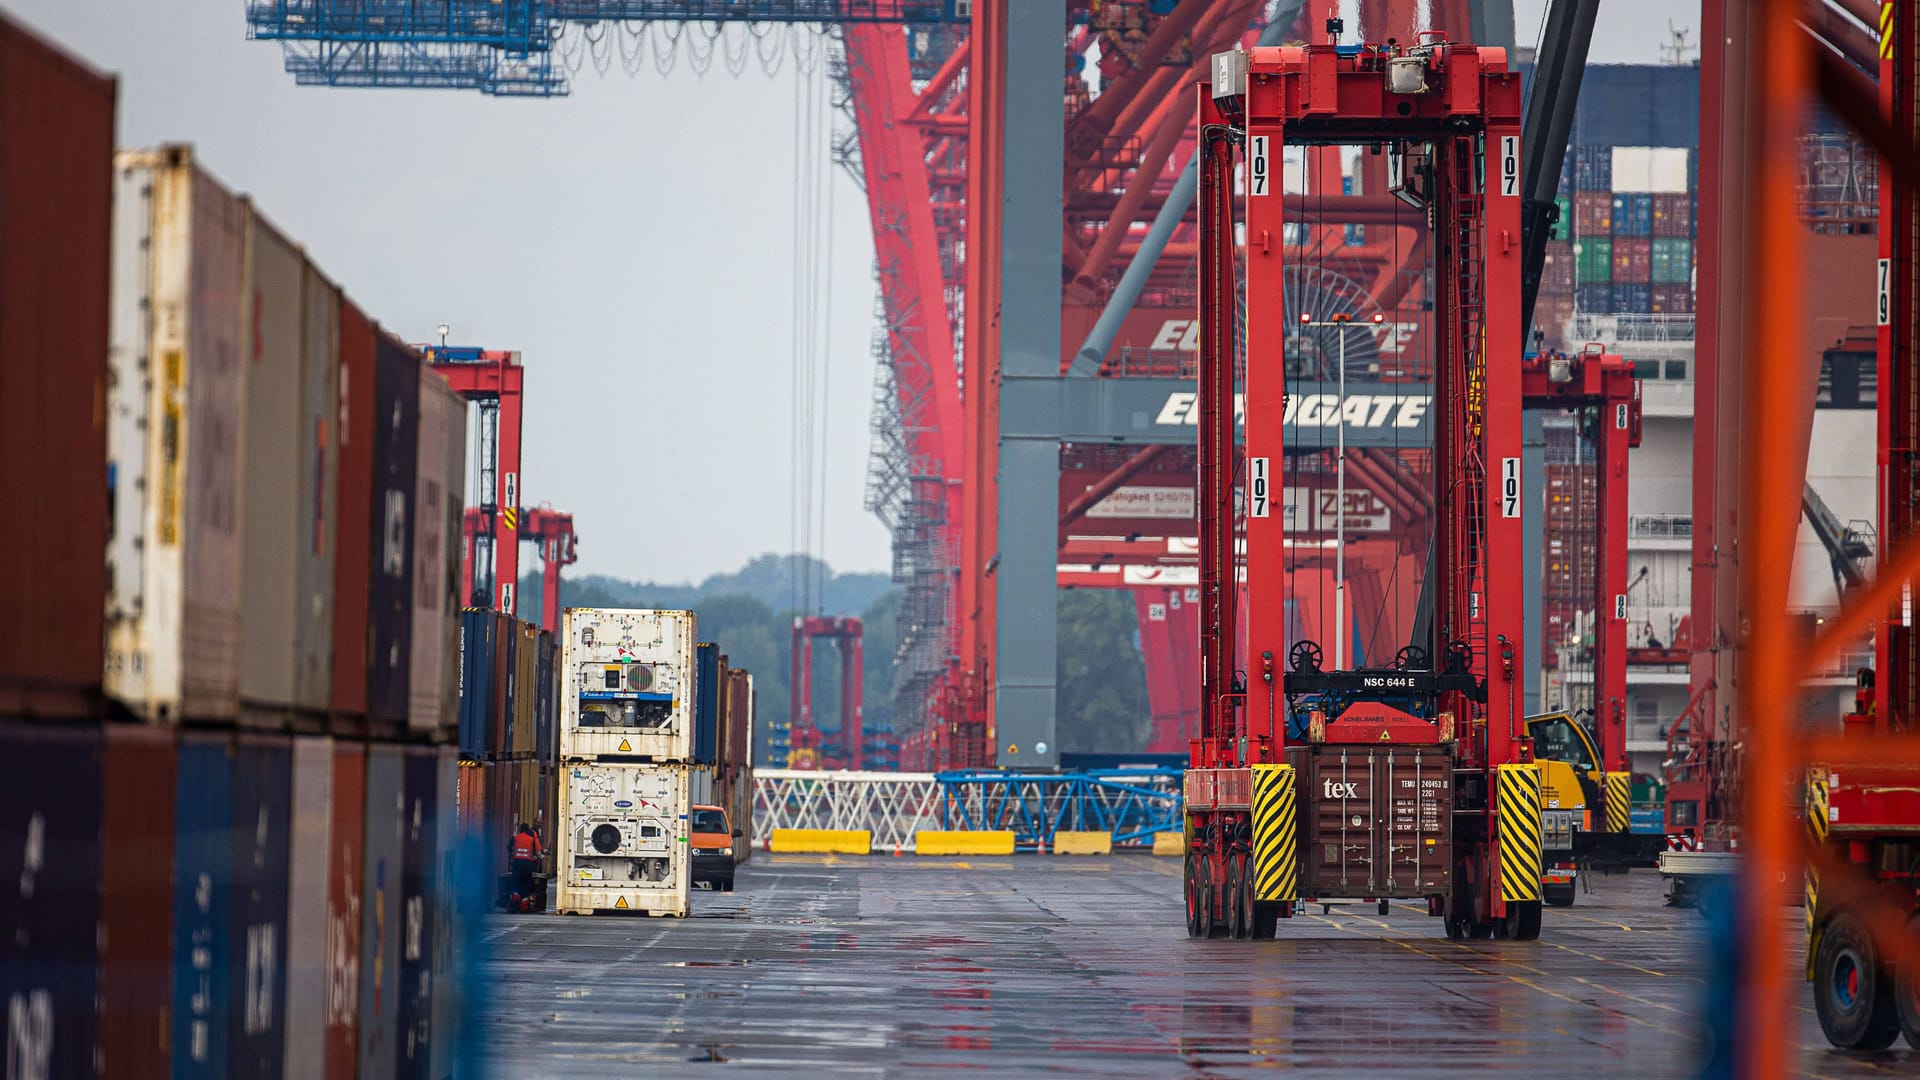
point(902, 966)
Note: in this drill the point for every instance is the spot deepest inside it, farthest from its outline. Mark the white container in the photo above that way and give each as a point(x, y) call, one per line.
point(626, 685)
point(174, 436)
point(625, 848)
point(433, 701)
point(310, 851)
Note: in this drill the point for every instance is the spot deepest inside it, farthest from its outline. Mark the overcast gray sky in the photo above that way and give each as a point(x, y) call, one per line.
point(632, 240)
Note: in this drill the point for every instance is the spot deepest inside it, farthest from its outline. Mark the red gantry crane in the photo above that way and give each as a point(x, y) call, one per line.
point(1423, 766)
point(807, 744)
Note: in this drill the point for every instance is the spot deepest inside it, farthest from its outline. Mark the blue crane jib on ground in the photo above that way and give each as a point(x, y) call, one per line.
point(505, 47)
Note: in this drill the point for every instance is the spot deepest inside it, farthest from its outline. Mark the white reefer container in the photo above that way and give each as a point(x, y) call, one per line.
point(625, 848)
point(433, 701)
point(174, 438)
point(626, 685)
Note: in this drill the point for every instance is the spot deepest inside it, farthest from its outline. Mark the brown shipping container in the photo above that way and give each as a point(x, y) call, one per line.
point(471, 801)
point(353, 521)
point(503, 813)
point(136, 902)
point(526, 663)
point(1672, 214)
point(1377, 820)
point(56, 199)
point(344, 852)
point(308, 867)
point(273, 487)
point(440, 470)
point(175, 405)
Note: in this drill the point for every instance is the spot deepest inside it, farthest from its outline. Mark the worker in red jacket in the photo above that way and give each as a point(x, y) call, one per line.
point(526, 862)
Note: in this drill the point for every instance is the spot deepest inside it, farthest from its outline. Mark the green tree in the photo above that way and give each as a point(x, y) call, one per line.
point(1102, 702)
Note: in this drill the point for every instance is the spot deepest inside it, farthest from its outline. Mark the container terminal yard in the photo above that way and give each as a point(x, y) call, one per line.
point(1400, 522)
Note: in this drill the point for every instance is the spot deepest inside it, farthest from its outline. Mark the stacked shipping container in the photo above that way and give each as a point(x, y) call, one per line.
point(508, 750)
point(1624, 243)
point(217, 853)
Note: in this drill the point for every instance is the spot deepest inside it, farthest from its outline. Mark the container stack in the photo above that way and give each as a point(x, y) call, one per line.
point(508, 750)
point(1624, 242)
point(225, 724)
point(1570, 539)
point(634, 731)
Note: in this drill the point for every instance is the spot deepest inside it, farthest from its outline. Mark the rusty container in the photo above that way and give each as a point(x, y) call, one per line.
point(396, 424)
point(175, 408)
point(261, 835)
point(308, 864)
point(56, 197)
point(50, 817)
point(1376, 821)
point(526, 700)
point(353, 520)
point(274, 488)
point(345, 872)
point(381, 927)
point(136, 901)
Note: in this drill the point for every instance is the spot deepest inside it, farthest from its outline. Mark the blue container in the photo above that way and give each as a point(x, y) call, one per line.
point(380, 912)
point(1632, 299)
point(261, 836)
point(202, 888)
point(1647, 819)
point(478, 629)
point(706, 703)
point(50, 817)
point(1633, 214)
point(418, 869)
point(1595, 299)
point(447, 894)
point(546, 710)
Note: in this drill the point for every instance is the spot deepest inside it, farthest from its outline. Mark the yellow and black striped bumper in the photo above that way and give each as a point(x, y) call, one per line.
point(1616, 789)
point(1517, 805)
point(1276, 871)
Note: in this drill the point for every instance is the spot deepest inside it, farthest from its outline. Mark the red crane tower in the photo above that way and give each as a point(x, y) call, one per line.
point(846, 632)
point(1439, 735)
point(492, 378)
point(559, 547)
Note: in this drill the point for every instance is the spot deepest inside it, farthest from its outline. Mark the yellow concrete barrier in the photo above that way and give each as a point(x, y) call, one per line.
point(963, 842)
point(822, 841)
point(1169, 843)
point(1082, 843)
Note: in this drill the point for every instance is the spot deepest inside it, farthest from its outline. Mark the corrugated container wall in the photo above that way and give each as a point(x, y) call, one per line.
point(396, 423)
point(440, 475)
point(50, 817)
point(526, 677)
point(173, 440)
point(707, 692)
point(479, 631)
point(548, 707)
point(627, 684)
point(353, 522)
point(625, 844)
point(56, 198)
point(136, 901)
point(273, 488)
point(319, 479)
